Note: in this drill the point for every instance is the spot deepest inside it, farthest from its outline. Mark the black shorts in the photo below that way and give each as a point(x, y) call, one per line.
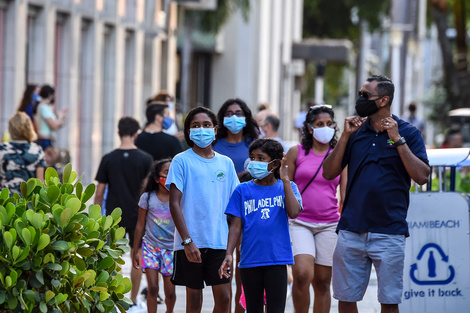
point(194, 275)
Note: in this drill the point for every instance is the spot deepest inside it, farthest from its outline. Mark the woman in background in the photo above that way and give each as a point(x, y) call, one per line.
point(20, 159)
point(313, 232)
point(30, 100)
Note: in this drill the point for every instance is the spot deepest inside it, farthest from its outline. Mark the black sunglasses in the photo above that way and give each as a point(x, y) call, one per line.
point(367, 95)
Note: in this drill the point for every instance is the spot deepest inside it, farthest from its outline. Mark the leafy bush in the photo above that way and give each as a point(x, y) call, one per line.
point(55, 256)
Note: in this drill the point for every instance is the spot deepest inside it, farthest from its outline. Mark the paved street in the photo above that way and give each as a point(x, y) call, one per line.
point(368, 305)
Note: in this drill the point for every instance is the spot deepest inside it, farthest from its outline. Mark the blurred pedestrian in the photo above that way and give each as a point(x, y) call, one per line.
point(29, 100)
point(259, 212)
point(236, 132)
point(21, 159)
point(413, 119)
point(201, 181)
point(123, 171)
point(47, 123)
point(158, 241)
point(152, 139)
point(383, 153)
point(313, 232)
point(270, 128)
point(453, 138)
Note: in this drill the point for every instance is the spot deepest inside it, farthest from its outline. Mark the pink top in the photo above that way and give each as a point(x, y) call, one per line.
point(320, 204)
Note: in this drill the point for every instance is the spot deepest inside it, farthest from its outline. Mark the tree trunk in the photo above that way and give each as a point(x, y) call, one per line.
point(462, 63)
point(450, 78)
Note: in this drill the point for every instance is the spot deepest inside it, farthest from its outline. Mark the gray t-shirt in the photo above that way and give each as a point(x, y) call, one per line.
point(159, 226)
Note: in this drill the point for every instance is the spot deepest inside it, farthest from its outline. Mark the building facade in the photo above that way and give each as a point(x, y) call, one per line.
point(103, 57)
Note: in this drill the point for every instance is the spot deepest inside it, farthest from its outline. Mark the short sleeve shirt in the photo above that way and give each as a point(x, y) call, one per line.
point(265, 227)
point(124, 172)
point(206, 185)
point(43, 113)
point(160, 145)
point(19, 161)
point(237, 152)
point(377, 194)
point(159, 226)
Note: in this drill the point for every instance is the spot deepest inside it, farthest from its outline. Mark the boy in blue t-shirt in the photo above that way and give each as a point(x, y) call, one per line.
point(200, 183)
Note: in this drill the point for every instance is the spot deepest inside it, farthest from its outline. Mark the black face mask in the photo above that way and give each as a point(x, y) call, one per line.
point(366, 107)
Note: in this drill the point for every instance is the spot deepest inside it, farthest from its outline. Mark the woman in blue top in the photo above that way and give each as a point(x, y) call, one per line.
point(236, 131)
point(260, 210)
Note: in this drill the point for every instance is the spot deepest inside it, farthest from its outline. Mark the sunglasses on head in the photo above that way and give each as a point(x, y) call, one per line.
point(319, 106)
point(367, 95)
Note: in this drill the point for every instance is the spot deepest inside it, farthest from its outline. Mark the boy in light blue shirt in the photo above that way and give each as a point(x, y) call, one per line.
point(201, 182)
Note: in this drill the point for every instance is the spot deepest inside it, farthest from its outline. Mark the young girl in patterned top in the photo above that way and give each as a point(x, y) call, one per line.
point(157, 244)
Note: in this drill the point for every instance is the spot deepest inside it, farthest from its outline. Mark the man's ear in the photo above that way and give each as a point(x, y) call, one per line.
point(384, 101)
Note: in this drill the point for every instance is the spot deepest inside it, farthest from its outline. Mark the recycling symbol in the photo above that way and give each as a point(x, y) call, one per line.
point(432, 267)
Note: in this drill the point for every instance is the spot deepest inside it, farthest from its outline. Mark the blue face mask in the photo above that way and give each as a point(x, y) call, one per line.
point(259, 169)
point(234, 123)
point(202, 137)
point(167, 122)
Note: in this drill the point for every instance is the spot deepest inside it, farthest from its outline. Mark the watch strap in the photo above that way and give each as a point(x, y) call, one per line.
point(186, 241)
point(400, 142)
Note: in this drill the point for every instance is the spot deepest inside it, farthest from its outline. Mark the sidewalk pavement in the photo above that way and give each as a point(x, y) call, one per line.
point(368, 305)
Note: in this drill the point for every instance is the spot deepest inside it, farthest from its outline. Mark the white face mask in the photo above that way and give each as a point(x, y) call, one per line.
point(323, 134)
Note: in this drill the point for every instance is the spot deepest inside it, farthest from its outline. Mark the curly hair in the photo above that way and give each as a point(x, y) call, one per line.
point(250, 131)
point(20, 127)
point(312, 115)
point(271, 147)
point(190, 117)
point(152, 183)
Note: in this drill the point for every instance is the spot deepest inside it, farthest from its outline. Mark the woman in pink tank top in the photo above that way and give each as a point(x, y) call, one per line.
point(313, 232)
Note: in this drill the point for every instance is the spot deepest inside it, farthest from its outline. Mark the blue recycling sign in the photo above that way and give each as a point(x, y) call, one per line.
point(436, 276)
point(427, 252)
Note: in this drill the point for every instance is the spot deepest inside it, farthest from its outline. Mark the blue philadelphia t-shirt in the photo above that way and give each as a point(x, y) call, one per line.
point(237, 152)
point(265, 226)
point(377, 193)
point(206, 185)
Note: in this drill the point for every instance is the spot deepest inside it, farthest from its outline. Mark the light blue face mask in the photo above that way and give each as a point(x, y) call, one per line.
point(259, 169)
point(234, 123)
point(202, 137)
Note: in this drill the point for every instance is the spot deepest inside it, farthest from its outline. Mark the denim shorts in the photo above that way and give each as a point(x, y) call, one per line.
point(352, 260)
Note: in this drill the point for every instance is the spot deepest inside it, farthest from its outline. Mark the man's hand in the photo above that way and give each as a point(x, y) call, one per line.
point(352, 123)
point(391, 126)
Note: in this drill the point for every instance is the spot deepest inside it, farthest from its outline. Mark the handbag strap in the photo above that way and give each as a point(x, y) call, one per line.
point(318, 170)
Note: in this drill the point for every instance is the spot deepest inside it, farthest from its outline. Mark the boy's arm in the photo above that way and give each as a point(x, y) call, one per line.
point(233, 237)
point(192, 251)
point(100, 193)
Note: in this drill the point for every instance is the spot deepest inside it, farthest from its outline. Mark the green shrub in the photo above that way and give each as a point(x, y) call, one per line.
point(55, 256)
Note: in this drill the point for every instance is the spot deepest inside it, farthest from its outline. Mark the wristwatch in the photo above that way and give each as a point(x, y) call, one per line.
point(400, 142)
point(186, 241)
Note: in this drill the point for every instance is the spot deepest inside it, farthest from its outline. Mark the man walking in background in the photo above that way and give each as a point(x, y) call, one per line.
point(124, 170)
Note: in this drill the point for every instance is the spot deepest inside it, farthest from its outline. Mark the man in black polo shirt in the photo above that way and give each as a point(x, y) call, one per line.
point(382, 153)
